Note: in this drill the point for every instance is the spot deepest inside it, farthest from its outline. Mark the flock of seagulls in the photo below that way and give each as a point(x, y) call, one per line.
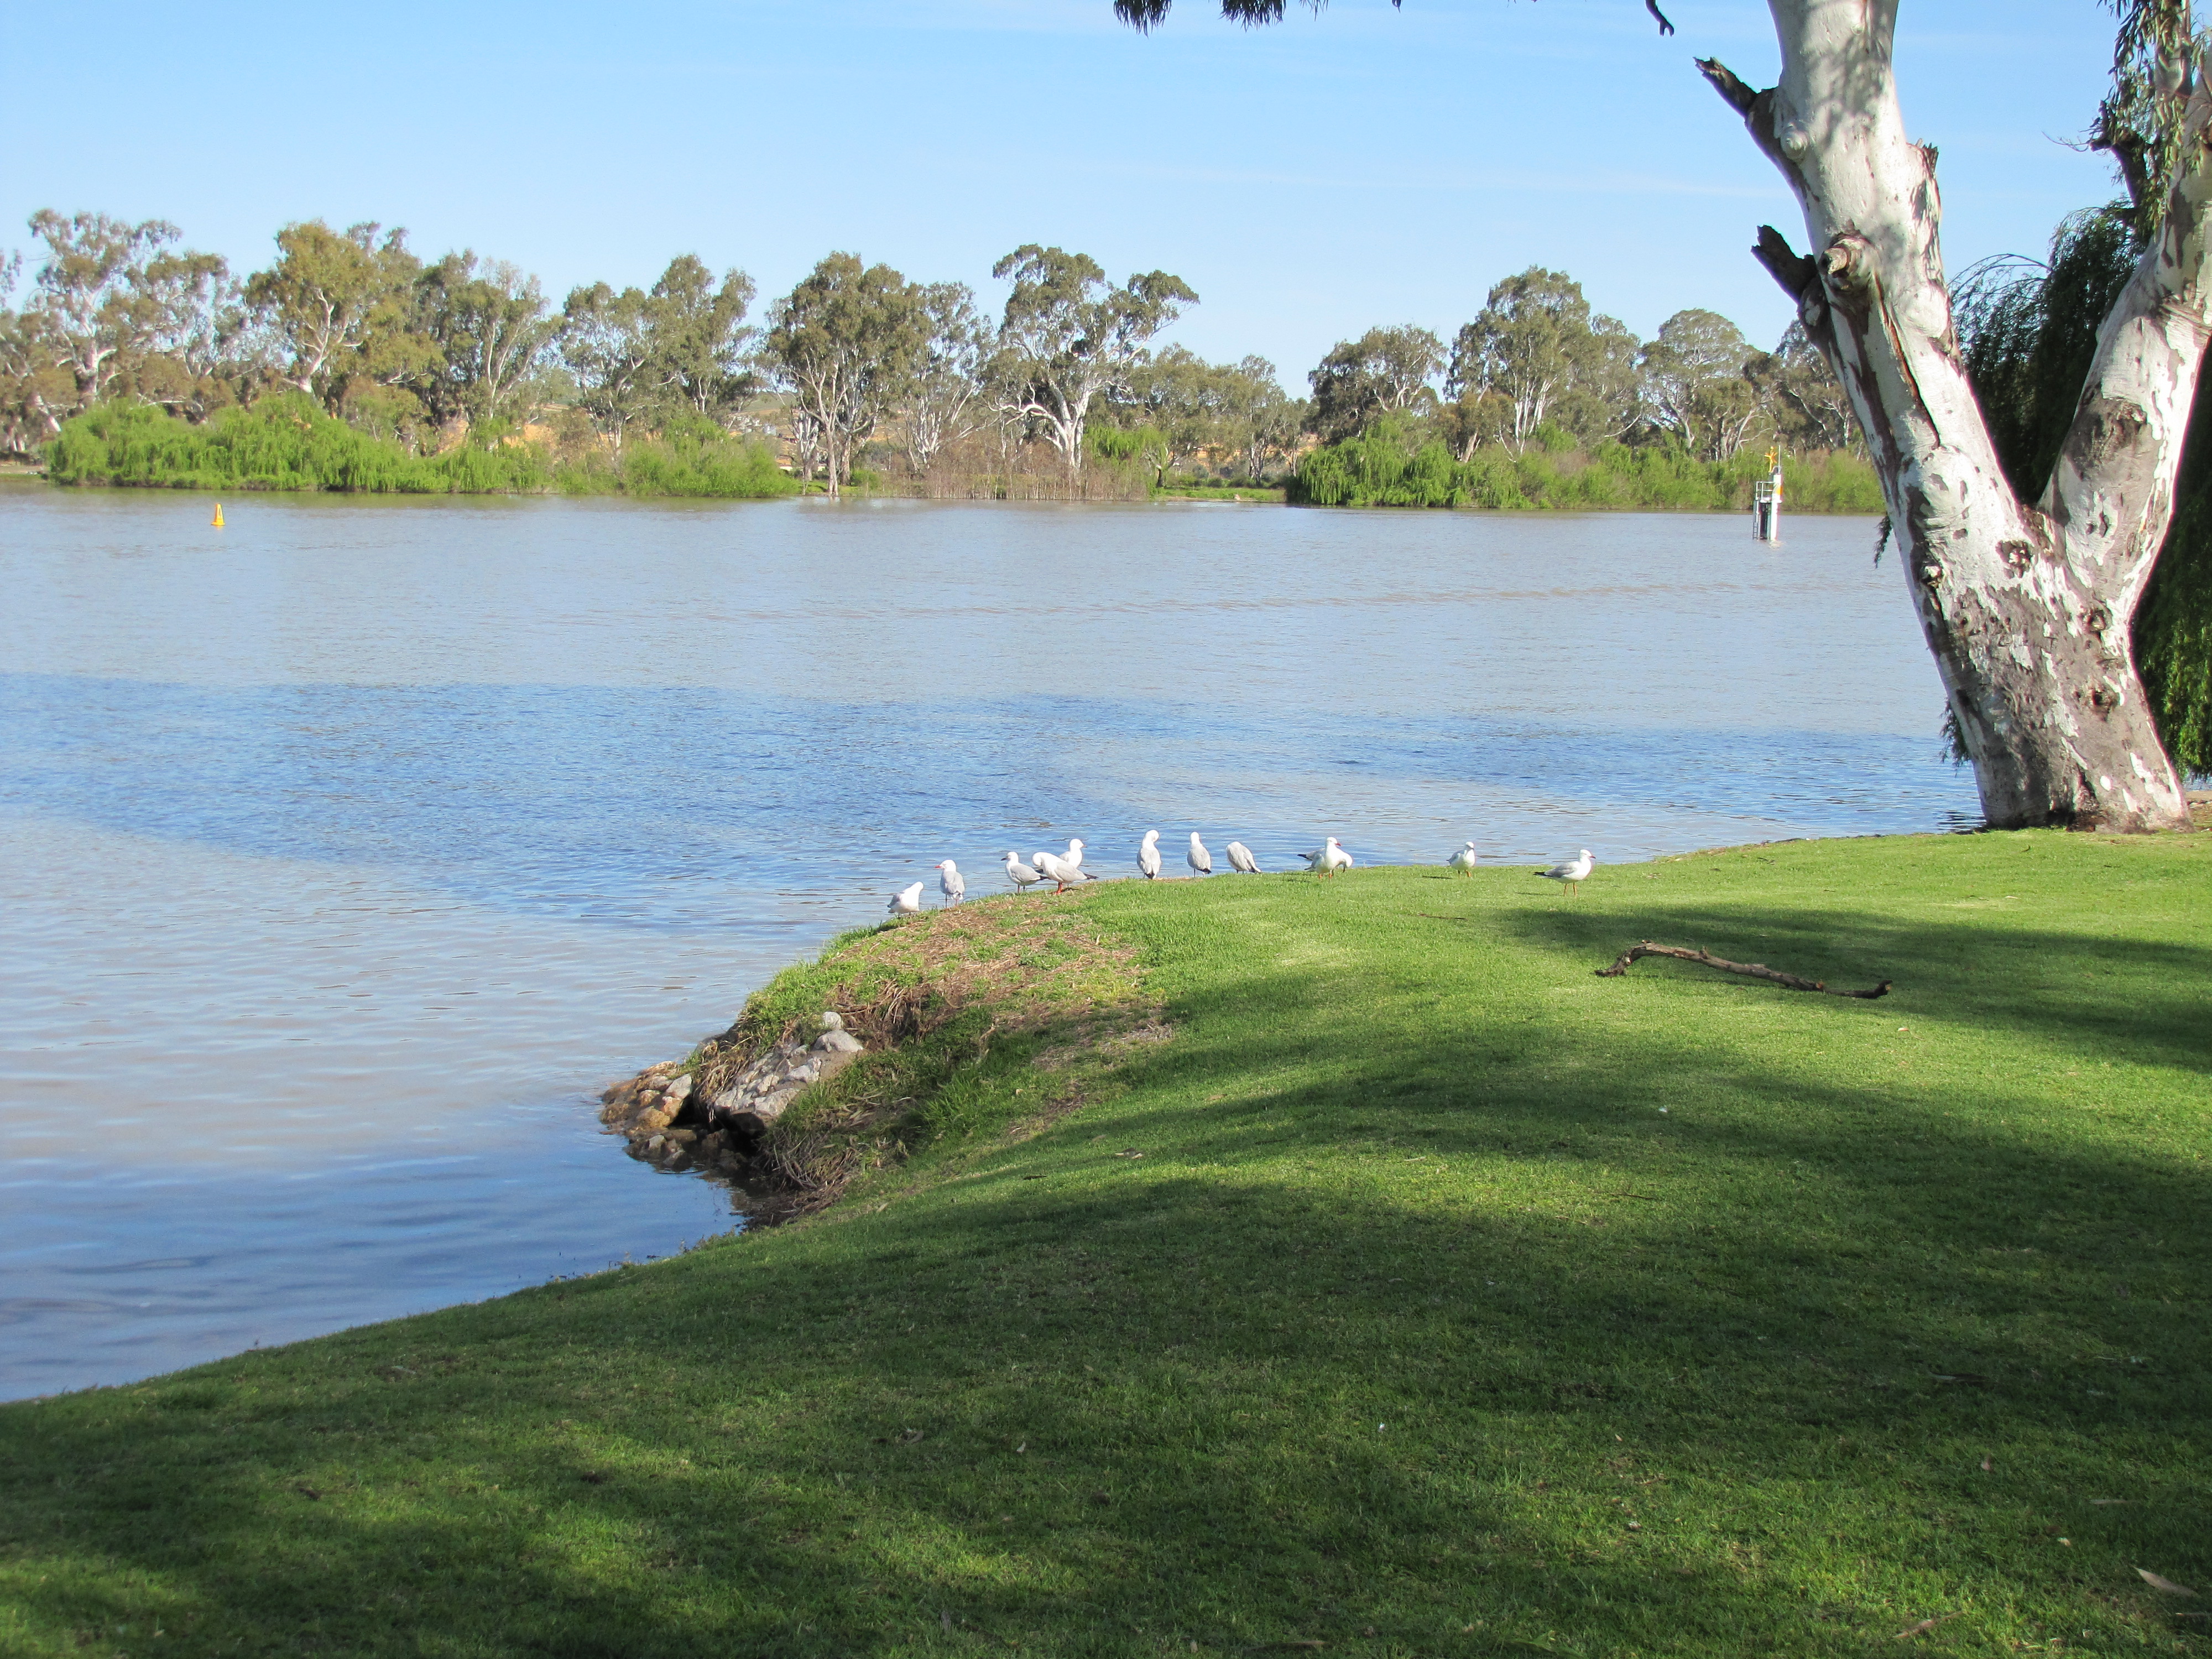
point(1065, 869)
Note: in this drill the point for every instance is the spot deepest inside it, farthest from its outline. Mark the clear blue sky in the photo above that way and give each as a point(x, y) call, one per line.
point(1311, 180)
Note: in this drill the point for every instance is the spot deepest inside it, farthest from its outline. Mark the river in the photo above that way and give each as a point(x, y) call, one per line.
point(346, 851)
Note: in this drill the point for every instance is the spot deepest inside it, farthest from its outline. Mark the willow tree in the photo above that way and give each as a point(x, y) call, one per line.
point(2026, 603)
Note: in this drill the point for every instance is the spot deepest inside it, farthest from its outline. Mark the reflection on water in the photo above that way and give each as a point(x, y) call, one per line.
point(345, 852)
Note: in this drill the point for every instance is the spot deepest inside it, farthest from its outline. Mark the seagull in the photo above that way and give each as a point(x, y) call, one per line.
point(907, 902)
point(1073, 858)
point(1023, 876)
point(1574, 873)
point(1241, 860)
point(1059, 872)
point(1200, 861)
point(1148, 855)
point(949, 883)
point(1463, 860)
point(1331, 859)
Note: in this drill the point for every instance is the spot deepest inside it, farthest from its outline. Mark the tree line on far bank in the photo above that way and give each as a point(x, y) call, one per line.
point(350, 362)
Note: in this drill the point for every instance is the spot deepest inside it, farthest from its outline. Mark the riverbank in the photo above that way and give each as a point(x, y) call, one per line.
point(1420, 1292)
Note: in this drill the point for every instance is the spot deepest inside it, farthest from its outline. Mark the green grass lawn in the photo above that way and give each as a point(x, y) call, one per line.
point(1423, 1294)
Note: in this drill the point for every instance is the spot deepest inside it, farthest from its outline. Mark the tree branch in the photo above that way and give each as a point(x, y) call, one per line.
point(1724, 82)
point(2111, 493)
point(1752, 969)
point(1792, 270)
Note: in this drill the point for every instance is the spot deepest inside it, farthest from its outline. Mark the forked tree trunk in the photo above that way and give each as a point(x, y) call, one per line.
point(2027, 607)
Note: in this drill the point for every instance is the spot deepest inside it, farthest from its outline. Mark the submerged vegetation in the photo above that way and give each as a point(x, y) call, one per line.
point(1268, 1265)
point(282, 442)
point(285, 442)
point(1394, 464)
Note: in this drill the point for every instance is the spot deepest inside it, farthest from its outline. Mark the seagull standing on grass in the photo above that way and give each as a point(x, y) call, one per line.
point(949, 883)
point(1331, 859)
point(1023, 876)
point(1241, 860)
point(1573, 872)
point(1062, 874)
point(1073, 858)
point(1200, 861)
point(1463, 860)
point(907, 902)
point(1148, 855)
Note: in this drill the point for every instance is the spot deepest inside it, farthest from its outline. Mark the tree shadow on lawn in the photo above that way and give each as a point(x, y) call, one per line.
point(1994, 974)
point(1209, 1396)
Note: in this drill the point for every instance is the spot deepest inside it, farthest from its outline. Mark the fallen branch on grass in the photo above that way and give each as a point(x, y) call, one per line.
point(1755, 969)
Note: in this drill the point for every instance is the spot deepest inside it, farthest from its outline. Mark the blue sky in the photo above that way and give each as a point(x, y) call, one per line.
point(1311, 180)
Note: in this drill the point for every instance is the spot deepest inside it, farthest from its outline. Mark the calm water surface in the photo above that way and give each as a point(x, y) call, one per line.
point(346, 852)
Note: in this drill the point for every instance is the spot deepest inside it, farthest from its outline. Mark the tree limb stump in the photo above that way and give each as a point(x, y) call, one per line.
point(1752, 969)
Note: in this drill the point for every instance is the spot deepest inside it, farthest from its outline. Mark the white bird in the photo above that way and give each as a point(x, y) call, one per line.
point(1148, 855)
point(1463, 860)
point(1331, 859)
point(1241, 860)
point(1023, 876)
point(907, 902)
point(1073, 858)
point(1573, 872)
point(949, 883)
point(1200, 861)
point(1059, 872)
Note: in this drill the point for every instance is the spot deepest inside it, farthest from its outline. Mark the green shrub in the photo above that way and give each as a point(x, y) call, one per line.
point(282, 442)
point(690, 458)
point(1390, 466)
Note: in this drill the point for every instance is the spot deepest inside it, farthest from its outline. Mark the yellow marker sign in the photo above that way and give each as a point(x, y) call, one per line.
point(218, 516)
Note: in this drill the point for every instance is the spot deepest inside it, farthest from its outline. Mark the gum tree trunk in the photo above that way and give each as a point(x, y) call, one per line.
point(2026, 606)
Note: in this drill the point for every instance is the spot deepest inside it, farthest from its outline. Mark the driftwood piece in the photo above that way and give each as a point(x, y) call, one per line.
point(1754, 970)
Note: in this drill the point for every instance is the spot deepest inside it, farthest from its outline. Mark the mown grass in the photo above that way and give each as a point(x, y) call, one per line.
point(1425, 1294)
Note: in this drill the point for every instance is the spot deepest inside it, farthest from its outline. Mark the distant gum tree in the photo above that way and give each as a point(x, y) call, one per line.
point(339, 303)
point(1383, 372)
point(1068, 335)
point(946, 402)
point(1801, 393)
point(1534, 341)
point(607, 343)
point(107, 294)
point(2025, 601)
point(846, 341)
point(701, 345)
point(489, 322)
point(1694, 385)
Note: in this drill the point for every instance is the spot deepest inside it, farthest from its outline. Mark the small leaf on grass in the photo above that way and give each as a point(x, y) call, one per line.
point(910, 1436)
point(1974, 1377)
point(2165, 1584)
point(1923, 1626)
point(2107, 1502)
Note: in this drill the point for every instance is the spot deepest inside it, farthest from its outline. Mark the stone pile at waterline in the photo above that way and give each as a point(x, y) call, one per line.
point(662, 1114)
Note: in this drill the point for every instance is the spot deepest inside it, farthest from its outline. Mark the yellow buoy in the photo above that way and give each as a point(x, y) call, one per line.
point(218, 516)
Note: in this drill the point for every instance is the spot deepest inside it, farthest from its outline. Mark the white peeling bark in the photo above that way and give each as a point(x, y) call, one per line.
point(2026, 607)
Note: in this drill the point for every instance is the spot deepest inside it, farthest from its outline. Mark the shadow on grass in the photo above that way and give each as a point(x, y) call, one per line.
point(1138, 1404)
point(1848, 1348)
